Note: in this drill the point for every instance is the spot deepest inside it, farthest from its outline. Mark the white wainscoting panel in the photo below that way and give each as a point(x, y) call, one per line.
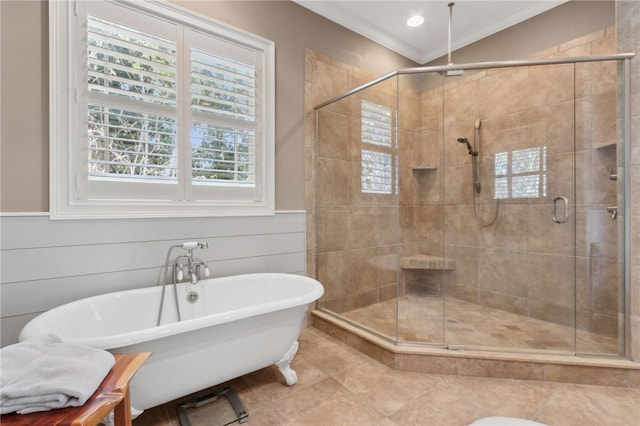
point(44, 263)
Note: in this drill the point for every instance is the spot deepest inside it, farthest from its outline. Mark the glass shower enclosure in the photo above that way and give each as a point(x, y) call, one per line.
point(478, 206)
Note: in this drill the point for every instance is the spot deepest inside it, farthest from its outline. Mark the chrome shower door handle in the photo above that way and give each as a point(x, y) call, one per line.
point(554, 208)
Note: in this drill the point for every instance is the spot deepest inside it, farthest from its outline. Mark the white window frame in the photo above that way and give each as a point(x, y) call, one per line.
point(68, 131)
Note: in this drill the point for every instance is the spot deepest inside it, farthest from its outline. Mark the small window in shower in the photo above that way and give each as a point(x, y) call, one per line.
point(376, 124)
point(376, 172)
point(521, 173)
point(376, 160)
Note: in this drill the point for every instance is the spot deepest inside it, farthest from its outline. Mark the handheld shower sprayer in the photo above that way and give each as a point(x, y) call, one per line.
point(477, 135)
point(475, 170)
point(469, 147)
point(477, 187)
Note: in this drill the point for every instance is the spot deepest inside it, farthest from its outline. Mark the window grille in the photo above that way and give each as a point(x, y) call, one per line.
point(376, 161)
point(521, 173)
point(376, 124)
point(176, 111)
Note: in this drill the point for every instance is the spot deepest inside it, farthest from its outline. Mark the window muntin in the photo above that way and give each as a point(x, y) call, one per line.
point(377, 174)
point(376, 136)
point(176, 111)
point(521, 173)
point(376, 124)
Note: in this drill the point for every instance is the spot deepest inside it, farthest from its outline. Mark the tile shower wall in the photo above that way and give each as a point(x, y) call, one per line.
point(524, 263)
point(521, 246)
point(356, 231)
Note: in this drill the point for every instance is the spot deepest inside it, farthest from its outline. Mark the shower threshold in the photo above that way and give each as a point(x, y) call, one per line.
point(436, 359)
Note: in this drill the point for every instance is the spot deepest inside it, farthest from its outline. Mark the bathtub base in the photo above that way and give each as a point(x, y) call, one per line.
point(284, 365)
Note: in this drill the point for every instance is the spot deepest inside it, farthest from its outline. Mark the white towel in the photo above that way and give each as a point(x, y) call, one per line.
point(62, 375)
point(14, 358)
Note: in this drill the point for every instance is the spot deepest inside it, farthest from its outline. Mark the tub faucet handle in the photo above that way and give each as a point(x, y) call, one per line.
point(190, 245)
point(202, 269)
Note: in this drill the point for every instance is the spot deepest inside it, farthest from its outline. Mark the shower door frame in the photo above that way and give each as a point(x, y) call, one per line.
point(625, 58)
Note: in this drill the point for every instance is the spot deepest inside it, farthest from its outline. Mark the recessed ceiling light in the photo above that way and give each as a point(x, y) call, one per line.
point(415, 21)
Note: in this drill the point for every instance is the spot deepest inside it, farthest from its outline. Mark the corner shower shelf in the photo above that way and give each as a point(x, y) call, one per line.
point(424, 167)
point(427, 261)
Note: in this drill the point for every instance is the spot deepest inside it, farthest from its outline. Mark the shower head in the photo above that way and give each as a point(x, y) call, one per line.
point(469, 147)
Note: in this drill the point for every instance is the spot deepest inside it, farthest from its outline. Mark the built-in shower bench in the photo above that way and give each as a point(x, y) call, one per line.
point(427, 261)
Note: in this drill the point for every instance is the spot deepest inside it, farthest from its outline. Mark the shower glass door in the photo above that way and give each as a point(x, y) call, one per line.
point(478, 211)
point(357, 208)
point(422, 262)
point(510, 209)
point(531, 199)
point(600, 232)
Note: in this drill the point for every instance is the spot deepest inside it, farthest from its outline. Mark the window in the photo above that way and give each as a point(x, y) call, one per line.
point(376, 161)
point(527, 175)
point(156, 111)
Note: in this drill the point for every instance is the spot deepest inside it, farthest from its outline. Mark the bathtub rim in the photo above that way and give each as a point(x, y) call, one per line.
point(38, 325)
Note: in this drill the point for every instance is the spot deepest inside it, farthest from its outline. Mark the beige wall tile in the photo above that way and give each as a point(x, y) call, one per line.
point(551, 312)
point(552, 126)
point(503, 271)
point(549, 85)
point(634, 379)
point(462, 106)
point(603, 125)
point(586, 375)
point(333, 227)
point(466, 272)
point(510, 230)
point(585, 40)
point(498, 94)
point(514, 304)
point(335, 132)
point(431, 364)
point(553, 278)
point(334, 182)
point(504, 369)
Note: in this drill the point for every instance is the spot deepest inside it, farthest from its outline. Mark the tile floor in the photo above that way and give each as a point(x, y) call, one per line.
point(420, 319)
point(338, 385)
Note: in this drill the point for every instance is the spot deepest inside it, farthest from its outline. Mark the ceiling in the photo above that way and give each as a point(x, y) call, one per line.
point(384, 21)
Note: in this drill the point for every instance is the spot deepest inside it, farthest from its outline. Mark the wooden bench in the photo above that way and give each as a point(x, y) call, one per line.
point(112, 394)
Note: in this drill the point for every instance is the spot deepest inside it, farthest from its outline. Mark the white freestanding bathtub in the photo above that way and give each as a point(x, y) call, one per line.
point(238, 324)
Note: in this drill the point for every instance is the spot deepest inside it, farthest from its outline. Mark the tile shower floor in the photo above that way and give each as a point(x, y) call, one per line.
point(420, 319)
point(338, 385)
